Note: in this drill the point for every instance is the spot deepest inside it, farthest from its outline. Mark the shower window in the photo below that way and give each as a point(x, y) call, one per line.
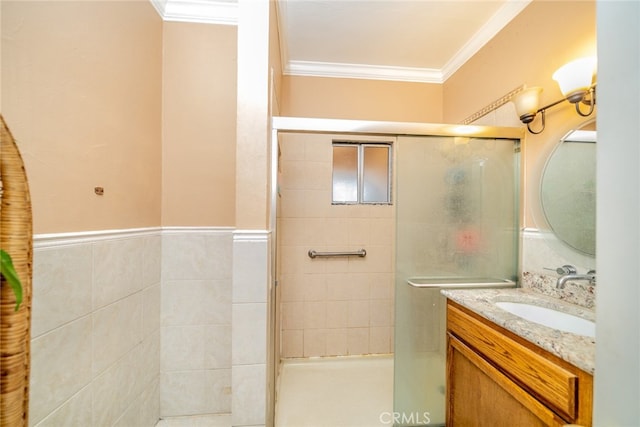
point(361, 173)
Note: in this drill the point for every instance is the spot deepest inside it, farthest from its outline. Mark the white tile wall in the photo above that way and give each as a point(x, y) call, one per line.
point(117, 329)
point(133, 325)
point(196, 322)
point(60, 365)
point(116, 387)
point(196, 392)
point(95, 333)
point(542, 251)
point(337, 306)
point(197, 255)
point(249, 337)
point(117, 270)
point(196, 302)
point(62, 281)
point(75, 412)
point(249, 396)
point(144, 410)
point(250, 333)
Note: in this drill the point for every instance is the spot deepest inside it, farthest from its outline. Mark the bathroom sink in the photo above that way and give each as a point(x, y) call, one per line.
point(551, 318)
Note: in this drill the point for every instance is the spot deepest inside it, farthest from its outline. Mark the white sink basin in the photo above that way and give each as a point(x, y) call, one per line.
point(551, 318)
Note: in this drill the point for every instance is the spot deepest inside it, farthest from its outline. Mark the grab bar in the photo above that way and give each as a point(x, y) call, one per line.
point(314, 254)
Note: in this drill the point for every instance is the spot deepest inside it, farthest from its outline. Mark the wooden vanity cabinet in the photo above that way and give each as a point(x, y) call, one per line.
point(496, 378)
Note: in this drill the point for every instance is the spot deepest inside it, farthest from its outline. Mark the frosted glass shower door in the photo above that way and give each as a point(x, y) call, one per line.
point(456, 224)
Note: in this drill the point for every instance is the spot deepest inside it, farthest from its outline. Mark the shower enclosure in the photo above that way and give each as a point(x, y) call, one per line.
point(456, 226)
point(454, 202)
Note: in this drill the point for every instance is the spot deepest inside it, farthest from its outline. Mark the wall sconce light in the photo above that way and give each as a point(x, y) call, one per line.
point(576, 84)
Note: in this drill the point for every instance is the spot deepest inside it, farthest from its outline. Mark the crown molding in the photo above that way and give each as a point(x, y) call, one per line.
point(226, 13)
point(199, 11)
point(422, 75)
point(493, 26)
point(362, 71)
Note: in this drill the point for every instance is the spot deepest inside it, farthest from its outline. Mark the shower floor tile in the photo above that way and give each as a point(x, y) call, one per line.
point(335, 392)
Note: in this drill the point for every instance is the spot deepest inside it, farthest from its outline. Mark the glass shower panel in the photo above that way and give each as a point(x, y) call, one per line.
point(456, 223)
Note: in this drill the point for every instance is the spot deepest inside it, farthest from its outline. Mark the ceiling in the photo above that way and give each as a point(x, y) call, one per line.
point(408, 40)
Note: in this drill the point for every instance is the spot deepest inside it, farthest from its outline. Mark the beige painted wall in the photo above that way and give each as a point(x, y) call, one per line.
point(253, 115)
point(93, 102)
point(361, 99)
point(259, 87)
point(546, 35)
point(199, 124)
point(81, 91)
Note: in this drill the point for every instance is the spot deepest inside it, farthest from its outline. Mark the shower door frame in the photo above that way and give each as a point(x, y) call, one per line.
point(281, 124)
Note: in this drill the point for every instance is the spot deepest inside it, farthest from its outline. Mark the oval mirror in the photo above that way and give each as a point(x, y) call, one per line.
point(568, 190)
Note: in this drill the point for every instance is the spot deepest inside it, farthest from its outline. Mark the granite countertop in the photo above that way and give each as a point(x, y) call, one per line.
point(576, 349)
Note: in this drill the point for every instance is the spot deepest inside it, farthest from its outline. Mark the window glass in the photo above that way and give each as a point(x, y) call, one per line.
point(361, 173)
point(345, 173)
point(375, 177)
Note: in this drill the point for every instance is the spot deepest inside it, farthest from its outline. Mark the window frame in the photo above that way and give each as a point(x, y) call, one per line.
point(360, 175)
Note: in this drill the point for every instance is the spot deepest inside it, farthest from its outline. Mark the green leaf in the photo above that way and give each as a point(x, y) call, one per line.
point(9, 272)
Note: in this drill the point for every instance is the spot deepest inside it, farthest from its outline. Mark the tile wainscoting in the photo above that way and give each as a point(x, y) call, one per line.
point(95, 344)
point(195, 366)
point(133, 325)
point(251, 273)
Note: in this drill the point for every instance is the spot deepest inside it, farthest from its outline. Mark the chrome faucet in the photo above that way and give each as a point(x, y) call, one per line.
point(569, 273)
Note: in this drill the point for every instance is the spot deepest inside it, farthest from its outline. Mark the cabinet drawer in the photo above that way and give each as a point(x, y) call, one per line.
point(548, 382)
point(493, 400)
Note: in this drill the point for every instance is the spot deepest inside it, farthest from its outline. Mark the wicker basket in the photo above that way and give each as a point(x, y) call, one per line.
point(15, 326)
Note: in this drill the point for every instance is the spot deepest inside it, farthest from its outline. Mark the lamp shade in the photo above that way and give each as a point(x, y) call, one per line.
point(576, 77)
point(527, 103)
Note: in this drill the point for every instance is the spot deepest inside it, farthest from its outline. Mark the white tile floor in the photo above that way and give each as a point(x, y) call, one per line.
point(223, 420)
point(335, 392)
point(324, 392)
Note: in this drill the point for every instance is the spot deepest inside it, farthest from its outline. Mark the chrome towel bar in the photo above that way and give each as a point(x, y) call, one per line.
point(314, 254)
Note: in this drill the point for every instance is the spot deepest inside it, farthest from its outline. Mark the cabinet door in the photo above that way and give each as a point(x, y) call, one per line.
point(480, 395)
